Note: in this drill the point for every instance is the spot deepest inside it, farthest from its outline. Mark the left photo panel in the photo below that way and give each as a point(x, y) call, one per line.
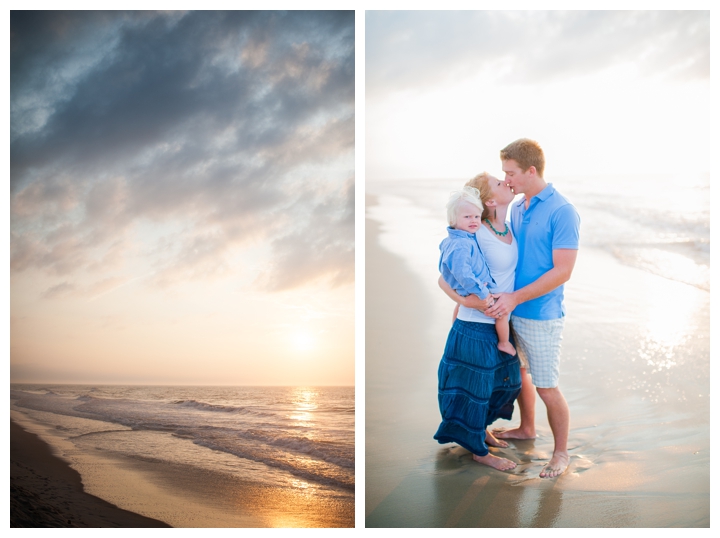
point(182, 283)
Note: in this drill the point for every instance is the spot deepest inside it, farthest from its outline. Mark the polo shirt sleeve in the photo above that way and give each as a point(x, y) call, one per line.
point(566, 228)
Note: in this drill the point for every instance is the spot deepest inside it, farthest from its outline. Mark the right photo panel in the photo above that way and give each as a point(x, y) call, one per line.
point(537, 292)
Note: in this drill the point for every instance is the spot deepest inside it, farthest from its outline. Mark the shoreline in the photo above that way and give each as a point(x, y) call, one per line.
point(160, 493)
point(46, 492)
point(635, 379)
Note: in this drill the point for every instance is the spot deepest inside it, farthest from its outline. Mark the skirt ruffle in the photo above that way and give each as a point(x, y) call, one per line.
point(477, 384)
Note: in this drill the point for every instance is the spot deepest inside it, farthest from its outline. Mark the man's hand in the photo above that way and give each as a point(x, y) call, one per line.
point(504, 304)
point(563, 264)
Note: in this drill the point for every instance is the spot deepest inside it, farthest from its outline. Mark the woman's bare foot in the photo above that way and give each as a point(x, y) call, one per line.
point(520, 433)
point(556, 466)
point(507, 347)
point(491, 440)
point(501, 464)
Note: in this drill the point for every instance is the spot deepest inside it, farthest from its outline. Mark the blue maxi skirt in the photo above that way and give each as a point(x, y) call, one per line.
point(477, 384)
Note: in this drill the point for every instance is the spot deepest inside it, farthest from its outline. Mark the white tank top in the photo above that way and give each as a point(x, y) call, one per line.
point(501, 259)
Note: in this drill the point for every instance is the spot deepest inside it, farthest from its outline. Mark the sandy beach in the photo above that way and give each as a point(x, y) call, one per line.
point(636, 380)
point(167, 478)
point(46, 492)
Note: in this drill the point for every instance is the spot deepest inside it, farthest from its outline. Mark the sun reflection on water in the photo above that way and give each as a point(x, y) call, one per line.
point(304, 418)
point(679, 266)
point(304, 403)
point(668, 328)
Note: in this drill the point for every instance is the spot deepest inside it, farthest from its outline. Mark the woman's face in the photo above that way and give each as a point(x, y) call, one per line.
point(501, 193)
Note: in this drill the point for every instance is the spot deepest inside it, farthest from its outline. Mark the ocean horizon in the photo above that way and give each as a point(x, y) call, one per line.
point(635, 218)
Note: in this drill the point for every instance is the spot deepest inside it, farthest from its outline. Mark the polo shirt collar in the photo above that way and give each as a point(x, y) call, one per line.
point(546, 192)
point(543, 195)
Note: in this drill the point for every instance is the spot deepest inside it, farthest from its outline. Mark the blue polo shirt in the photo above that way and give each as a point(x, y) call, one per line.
point(550, 222)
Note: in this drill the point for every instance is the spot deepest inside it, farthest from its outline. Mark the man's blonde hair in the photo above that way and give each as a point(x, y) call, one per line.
point(482, 183)
point(526, 153)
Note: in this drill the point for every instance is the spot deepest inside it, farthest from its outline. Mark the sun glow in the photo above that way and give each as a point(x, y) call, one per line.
point(303, 341)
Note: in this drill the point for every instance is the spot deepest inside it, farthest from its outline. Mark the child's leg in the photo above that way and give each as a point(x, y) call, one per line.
point(502, 327)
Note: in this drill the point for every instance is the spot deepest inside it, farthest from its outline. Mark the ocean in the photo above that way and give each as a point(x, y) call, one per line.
point(286, 439)
point(634, 366)
point(659, 223)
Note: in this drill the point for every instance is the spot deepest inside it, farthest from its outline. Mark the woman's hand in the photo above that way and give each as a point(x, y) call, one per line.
point(473, 301)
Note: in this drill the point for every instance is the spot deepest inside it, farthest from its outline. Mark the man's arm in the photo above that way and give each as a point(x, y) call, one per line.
point(471, 301)
point(563, 265)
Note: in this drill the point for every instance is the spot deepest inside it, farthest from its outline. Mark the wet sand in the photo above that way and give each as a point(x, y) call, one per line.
point(636, 377)
point(164, 494)
point(46, 492)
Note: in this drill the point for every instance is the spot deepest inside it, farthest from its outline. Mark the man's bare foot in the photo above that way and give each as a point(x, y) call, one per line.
point(520, 434)
point(501, 464)
point(490, 440)
point(556, 466)
point(507, 347)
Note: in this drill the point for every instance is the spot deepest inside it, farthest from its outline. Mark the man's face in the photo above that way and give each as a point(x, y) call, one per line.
point(515, 178)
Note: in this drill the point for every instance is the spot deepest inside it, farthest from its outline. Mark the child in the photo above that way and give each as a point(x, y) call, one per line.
point(462, 264)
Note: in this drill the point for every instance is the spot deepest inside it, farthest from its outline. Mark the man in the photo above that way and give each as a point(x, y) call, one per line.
point(546, 227)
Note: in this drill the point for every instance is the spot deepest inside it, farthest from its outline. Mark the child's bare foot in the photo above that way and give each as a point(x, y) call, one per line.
point(501, 464)
point(520, 433)
point(556, 466)
point(491, 440)
point(507, 347)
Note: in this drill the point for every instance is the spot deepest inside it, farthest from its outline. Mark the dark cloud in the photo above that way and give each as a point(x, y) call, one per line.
point(406, 50)
point(60, 290)
point(215, 120)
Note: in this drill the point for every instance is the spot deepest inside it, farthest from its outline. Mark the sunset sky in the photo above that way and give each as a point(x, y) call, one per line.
point(182, 197)
point(624, 92)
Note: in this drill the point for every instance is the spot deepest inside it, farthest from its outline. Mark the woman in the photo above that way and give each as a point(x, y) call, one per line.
point(477, 383)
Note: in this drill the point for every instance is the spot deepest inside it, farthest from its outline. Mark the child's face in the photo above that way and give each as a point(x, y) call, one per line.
point(468, 218)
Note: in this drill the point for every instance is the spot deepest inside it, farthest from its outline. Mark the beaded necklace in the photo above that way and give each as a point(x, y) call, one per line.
point(503, 234)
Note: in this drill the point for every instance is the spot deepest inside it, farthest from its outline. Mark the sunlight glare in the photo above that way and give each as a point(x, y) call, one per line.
point(303, 341)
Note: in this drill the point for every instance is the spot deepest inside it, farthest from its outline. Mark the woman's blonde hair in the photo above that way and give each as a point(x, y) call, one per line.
point(481, 182)
point(470, 195)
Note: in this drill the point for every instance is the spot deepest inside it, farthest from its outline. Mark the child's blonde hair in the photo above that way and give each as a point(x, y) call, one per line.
point(470, 195)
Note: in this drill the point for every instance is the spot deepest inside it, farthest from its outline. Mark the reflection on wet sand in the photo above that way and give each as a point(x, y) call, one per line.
point(635, 371)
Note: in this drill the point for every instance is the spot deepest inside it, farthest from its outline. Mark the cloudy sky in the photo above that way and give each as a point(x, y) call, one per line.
point(182, 197)
point(602, 91)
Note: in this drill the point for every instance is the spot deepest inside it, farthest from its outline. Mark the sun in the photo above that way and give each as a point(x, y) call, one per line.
point(303, 341)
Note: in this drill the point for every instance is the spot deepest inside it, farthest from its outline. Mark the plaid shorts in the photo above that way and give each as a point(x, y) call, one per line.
point(538, 346)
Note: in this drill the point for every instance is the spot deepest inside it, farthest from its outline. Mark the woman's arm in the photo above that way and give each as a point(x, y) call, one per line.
point(471, 301)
